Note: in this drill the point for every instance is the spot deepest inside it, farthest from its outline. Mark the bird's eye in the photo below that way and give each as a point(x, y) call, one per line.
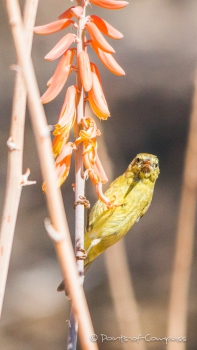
point(137, 160)
point(156, 165)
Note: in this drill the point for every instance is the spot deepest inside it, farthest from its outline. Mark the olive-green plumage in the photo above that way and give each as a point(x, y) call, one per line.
point(133, 193)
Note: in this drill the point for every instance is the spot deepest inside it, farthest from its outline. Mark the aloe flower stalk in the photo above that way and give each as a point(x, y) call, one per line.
point(90, 82)
point(72, 50)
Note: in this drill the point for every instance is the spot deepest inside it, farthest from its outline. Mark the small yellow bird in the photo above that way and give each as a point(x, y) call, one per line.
point(133, 192)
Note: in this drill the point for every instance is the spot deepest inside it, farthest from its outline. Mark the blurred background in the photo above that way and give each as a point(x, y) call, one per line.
point(150, 109)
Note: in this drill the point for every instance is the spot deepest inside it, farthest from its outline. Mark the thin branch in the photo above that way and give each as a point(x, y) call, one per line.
point(64, 248)
point(177, 323)
point(79, 183)
point(122, 290)
point(120, 281)
point(15, 155)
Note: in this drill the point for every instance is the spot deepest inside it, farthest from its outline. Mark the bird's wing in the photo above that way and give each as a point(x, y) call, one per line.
point(118, 188)
point(101, 216)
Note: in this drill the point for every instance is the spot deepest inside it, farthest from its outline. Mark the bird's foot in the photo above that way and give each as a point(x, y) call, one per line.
point(82, 200)
point(81, 253)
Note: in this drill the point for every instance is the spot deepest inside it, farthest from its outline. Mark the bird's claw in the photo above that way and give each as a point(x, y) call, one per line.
point(81, 253)
point(82, 200)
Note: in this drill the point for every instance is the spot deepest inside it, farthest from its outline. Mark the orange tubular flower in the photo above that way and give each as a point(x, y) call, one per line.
point(73, 11)
point(91, 159)
point(110, 4)
point(58, 143)
point(59, 78)
point(53, 27)
point(98, 38)
point(66, 120)
point(68, 112)
point(108, 61)
point(61, 47)
point(84, 70)
point(97, 99)
point(105, 27)
point(62, 165)
point(103, 198)
point(97, 176)
point(88, 136)
point(95, 70)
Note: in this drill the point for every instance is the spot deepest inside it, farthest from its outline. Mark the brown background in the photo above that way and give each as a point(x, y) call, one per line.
point(150, 109)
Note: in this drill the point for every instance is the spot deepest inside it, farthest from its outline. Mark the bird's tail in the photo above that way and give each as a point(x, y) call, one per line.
point(62, 286)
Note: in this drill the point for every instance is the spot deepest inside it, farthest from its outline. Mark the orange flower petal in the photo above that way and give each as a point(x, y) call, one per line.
point(58, 143)
point(110, 4)
point(61, 47)
point(92, 163)
point(108, 61)
point(62, 165)
point(95, 70)
point(67, 58)
point(73, 11)
point(97, 99)
point(91, 127)
point(70, 105)
point(77, 11)
point(84, 70)
point(59, 78)
point(103, 198)
point(52, 27)
point(57, 85)
point(100, 170)
point(105, 27)
point(67, 113)
point(98, 38)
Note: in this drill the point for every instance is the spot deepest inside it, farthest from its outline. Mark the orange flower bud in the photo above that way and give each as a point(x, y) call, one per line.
point(59, 78)
point(97, 38)
point(105, 27)
point(108, 61)
point(73, 11)
point(61, 47)
point(97, 99)
point(84, 70)
point(110, 4)
point(52, 27)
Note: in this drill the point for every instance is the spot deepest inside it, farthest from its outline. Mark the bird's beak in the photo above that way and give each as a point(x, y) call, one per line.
point(146, 167)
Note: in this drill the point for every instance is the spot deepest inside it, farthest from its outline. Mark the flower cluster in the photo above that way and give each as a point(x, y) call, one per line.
point(90, 83)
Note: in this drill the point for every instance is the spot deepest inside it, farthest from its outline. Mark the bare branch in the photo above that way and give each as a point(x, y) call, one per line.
point(54, 200)
point(177, 323)
point(79, 185)
point(15, 143)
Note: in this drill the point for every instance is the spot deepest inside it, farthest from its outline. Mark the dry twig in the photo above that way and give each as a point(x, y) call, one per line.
point(79, 185)
point(63, 248)
point(15, 155)
point(177, 323)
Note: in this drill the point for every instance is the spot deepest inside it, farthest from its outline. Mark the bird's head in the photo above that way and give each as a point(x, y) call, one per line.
point(145, 165)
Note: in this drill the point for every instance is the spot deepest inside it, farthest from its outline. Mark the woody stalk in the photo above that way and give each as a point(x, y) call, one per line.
point(72, 50)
